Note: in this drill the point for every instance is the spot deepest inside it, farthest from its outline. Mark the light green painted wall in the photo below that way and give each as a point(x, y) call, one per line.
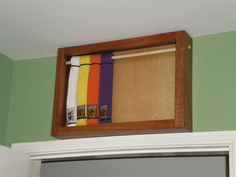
point(31, 100)
point(6, 68)
point(214, 90)
point(214, 82)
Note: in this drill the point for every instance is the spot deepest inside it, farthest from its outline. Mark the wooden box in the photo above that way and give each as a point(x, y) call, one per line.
point(151, 93)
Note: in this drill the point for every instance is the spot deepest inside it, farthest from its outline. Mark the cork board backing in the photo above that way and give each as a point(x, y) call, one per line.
point(144, 88)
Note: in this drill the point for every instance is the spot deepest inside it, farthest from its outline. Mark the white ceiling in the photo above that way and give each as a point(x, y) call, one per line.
point(36, 28)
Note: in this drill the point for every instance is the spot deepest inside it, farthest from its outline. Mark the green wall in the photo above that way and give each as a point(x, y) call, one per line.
point(6, 68)
point(214, 90)
point(31, 100)
point(214, 82)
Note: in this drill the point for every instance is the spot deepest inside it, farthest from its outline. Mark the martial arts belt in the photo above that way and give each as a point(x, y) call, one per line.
point(105, 93)
point(82, 91)
point(71, 103)
point(93, 90)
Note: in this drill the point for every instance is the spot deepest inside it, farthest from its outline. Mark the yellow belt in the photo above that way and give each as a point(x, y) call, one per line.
point(82, 91)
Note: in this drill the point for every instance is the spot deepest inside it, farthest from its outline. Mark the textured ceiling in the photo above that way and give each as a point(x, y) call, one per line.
point(36, 28)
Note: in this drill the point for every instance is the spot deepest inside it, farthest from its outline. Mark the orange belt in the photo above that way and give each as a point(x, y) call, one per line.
point(93, 90)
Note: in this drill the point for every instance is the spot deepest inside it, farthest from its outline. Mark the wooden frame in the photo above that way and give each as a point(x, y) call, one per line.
point(183, 87)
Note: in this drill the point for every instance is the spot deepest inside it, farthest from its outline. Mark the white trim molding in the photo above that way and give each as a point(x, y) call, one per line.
point(204, 142)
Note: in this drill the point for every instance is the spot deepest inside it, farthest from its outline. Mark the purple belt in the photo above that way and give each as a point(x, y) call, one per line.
point(105, 94)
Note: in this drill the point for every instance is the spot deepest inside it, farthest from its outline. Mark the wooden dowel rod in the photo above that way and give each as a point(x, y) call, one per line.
point(139, 54)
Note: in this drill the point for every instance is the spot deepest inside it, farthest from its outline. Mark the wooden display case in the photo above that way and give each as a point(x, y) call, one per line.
point(151, 93)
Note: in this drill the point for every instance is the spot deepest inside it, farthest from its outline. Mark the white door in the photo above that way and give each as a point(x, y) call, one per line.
point(13, 163)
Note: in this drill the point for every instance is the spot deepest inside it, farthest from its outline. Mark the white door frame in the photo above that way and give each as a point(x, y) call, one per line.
point(135, 144)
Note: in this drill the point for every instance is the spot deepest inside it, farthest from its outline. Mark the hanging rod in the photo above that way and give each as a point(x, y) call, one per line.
point(173, 49)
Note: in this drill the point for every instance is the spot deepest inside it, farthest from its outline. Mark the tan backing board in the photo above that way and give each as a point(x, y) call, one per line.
point(144, 88)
